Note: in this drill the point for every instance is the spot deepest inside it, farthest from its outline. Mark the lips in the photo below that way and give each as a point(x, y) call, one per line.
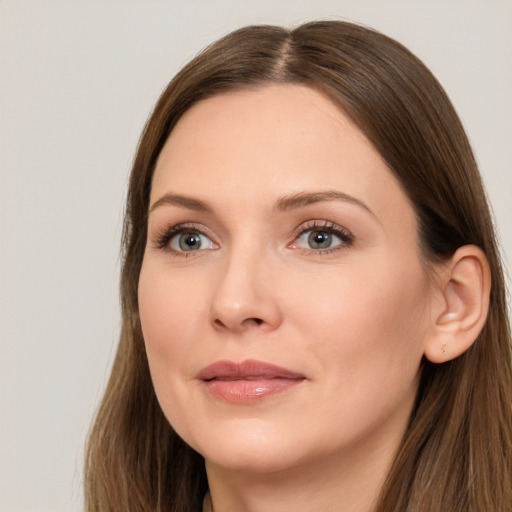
point(248, 381)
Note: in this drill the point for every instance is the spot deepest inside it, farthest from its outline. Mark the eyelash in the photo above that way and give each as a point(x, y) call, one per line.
point(163, 238)
point(346, 237)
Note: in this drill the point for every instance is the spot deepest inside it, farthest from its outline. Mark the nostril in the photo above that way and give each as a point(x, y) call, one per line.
point(253, 321)
point(246, 323)
point(219, 323)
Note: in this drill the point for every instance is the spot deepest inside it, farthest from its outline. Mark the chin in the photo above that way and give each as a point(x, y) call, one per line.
point(248, 449)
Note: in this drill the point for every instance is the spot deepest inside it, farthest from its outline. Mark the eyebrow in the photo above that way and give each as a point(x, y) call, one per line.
point(285, 203)
point(302, 199)
point(184, 201)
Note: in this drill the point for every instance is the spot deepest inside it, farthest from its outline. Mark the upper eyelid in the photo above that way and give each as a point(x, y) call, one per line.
point(183, 226)
point(320, 224)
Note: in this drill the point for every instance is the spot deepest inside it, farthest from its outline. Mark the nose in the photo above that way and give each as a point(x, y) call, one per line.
point(245, 296)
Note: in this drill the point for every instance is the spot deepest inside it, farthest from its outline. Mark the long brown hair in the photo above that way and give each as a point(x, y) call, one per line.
point(456, 454)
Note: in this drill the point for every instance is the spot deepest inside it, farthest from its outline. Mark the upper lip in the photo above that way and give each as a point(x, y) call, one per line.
point(249, 369)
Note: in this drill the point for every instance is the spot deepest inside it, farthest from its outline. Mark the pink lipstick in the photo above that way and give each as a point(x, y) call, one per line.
point(248, 381)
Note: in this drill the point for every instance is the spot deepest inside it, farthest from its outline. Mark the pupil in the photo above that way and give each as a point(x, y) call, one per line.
point(320, 239)
point(189, 241)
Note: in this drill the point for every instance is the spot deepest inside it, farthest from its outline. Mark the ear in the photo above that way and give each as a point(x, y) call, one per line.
point(464, 289)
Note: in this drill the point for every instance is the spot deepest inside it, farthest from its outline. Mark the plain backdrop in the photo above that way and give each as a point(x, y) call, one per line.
point(77, 82)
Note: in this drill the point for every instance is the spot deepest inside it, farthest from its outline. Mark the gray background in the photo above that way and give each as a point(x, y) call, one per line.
point(77, 81)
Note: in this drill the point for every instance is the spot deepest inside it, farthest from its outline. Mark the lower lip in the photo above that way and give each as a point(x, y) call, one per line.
point(249, 391)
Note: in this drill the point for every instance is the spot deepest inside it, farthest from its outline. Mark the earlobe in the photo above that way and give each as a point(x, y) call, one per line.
point(465, 285)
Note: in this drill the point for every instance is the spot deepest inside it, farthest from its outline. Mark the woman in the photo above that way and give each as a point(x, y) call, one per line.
point(314, 311)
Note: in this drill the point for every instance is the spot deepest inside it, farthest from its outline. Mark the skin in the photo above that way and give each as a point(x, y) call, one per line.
point(353, 318)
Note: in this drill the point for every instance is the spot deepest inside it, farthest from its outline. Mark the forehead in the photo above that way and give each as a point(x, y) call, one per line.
point(260, 143)
point(284, 120)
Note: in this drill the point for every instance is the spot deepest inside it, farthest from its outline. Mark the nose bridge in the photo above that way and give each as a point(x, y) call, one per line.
point(244, 297)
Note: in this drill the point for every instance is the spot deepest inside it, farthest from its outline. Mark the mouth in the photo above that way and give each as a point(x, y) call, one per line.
point(248, 381)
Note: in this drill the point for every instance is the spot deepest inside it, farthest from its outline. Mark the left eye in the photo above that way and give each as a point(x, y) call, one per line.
point(318, 239)
point(190, 241)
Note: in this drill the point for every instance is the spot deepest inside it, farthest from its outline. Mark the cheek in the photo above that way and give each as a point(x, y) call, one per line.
point(170, 314)
point(168, 304)
point(370, 323)
point(368, 340)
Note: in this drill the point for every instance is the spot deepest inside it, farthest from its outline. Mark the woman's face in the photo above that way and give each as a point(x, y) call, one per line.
point(283, 301)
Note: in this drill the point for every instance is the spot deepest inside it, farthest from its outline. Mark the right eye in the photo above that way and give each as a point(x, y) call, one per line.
point(188, 241)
